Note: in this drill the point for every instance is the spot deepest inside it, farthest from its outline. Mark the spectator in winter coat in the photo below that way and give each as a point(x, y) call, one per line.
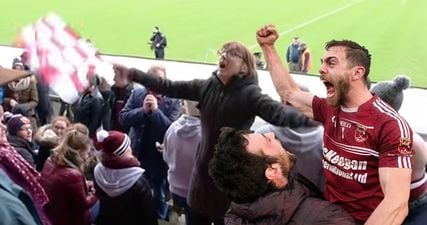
point(21, 95)
point(121, 91)
point(124, 193)
point(293, 55)
point(60, 124)
point(255, 172)
point(230, 97)
point(180, 144)
point(71, 196)
point(149, 115)
point(22, 98)
point(16, 206)
point(20, 136)
point(24, 175)
point(88, 110)
point(20, 172)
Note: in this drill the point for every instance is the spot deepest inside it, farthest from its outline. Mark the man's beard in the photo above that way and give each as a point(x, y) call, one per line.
point(286, 161)
point(341, 92)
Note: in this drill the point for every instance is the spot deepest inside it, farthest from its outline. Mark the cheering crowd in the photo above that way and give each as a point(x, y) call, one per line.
point(120, 153)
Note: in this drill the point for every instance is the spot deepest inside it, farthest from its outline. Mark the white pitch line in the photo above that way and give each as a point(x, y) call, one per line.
point(315, 19)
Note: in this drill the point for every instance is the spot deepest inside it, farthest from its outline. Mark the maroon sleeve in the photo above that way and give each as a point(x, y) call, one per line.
point(395, 142)
point(78, 192)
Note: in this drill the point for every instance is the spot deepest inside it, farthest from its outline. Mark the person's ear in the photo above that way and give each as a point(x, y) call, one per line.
point(244, 68)
point(272, 171)
point(358, 73)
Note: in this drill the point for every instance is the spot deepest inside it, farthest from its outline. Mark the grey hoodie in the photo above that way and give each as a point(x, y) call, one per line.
point(181, 142)
point(306, 143)
point(115, 182)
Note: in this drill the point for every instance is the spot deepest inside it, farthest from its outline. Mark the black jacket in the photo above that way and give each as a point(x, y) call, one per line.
point(134, 207)
point(119, 98)
point(88, 110)
point(234, 105)
point(293, 205)
point(23, 147)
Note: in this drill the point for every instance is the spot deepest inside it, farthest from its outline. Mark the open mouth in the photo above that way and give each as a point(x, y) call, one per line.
point(330, 88)
point(221, 65)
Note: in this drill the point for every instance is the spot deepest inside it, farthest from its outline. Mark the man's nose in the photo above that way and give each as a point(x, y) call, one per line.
point(270, 135)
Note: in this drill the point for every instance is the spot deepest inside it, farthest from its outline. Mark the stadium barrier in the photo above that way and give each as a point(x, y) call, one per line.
point(185, 70)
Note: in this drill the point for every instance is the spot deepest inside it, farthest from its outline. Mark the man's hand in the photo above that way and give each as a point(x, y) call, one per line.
point(150, 103)
point(267, 35)
point(90, 186)
point(13, 103)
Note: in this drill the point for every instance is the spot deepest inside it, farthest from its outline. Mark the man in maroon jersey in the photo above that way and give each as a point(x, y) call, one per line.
point(367, 153)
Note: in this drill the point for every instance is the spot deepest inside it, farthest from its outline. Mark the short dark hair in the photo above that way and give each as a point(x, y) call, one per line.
point(356, 54)
point(235, 171)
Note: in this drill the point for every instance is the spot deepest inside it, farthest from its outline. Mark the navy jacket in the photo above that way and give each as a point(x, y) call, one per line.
point(147, 129)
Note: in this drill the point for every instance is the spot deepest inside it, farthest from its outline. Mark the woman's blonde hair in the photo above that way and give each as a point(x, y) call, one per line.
point(81, 128)
point(67, 153)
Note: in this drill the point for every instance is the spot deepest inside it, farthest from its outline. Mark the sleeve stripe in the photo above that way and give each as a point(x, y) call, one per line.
point(404, 162)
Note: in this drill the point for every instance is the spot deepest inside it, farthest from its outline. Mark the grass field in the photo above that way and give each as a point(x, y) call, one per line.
point(395, 31)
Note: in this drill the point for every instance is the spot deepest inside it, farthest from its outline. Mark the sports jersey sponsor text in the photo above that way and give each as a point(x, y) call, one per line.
point(350, 169)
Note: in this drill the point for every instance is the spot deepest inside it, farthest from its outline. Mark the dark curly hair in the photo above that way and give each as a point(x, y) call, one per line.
point(235, 171)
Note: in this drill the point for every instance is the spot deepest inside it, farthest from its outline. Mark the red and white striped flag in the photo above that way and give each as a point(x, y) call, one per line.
point(63, 59)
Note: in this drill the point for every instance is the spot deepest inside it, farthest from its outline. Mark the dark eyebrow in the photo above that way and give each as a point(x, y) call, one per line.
point(327, 59)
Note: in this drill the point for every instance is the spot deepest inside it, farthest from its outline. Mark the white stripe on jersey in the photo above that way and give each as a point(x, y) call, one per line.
point(354, 149)
point(408, 160)
point(405, 130)
point(386, 109)
point(404, 162)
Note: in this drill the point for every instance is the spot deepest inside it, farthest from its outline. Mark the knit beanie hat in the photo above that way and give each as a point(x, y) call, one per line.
point(112, 142)
point(391, 91)
point(14, 124)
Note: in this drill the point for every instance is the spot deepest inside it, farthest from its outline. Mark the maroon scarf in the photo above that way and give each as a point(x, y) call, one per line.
point(24, 175)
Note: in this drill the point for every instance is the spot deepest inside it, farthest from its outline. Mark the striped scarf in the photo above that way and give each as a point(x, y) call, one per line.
point(25, 175)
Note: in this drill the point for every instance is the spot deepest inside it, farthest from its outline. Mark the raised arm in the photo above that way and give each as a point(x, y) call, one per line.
point(285, 85)
point(273, 111)
point(191, 90)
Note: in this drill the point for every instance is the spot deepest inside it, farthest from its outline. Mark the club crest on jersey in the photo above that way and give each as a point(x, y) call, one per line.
point(405, 146)
point(360, 134)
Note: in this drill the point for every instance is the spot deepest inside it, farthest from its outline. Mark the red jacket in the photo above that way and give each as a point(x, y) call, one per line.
point(69, 200)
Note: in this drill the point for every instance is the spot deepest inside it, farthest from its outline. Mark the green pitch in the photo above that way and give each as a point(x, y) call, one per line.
point(395, 31)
